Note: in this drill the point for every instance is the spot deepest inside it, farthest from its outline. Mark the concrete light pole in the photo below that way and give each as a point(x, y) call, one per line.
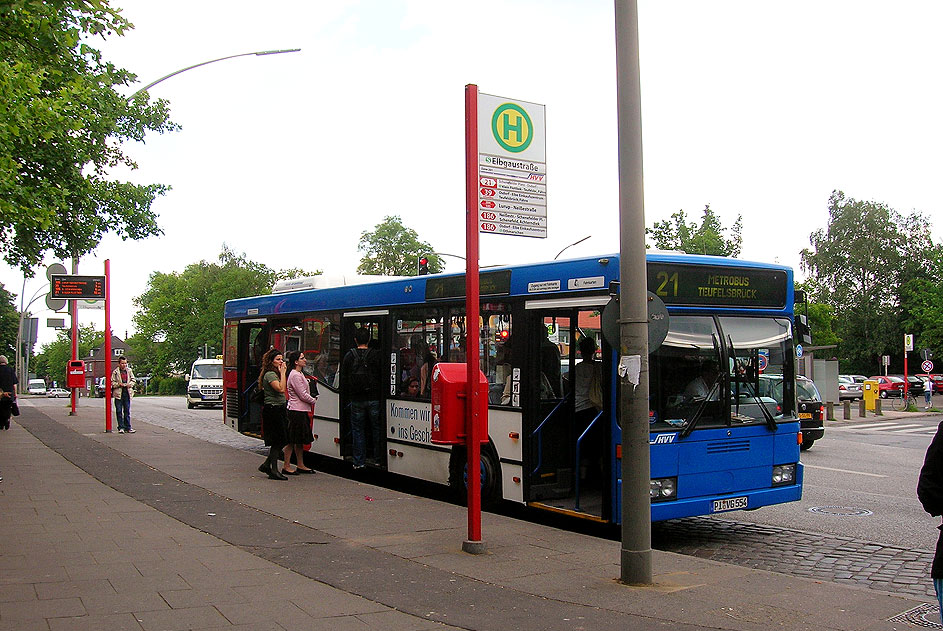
point(633, 307)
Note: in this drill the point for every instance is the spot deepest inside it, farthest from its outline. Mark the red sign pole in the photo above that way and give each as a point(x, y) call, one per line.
point(474, 544)
point(74, 305)
point(107, 349)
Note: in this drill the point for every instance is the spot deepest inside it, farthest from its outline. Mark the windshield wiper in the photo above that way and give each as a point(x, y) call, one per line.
point(699, 412)
point(710, 392)
point(754, 392)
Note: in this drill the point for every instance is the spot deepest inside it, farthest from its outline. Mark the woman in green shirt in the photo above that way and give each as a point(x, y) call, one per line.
point(272, 382)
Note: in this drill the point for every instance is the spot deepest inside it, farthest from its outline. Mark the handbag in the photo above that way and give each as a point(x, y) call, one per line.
point(312, 386)
point(15, 409)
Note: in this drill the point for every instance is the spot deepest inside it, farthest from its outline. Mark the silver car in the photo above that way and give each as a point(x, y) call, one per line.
point(848, 388)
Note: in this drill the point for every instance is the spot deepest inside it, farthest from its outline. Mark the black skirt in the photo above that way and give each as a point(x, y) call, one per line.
point(299, 428)
point(274, 426)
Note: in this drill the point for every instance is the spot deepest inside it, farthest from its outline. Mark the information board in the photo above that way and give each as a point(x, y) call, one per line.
point(77, 287)
point(512, 167)
point(679, 284)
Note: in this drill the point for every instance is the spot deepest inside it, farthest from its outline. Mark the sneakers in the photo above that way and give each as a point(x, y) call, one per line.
point(131, 430)
point(120, 431)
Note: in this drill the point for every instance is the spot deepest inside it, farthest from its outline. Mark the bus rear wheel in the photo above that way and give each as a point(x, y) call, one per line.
point(490, 476)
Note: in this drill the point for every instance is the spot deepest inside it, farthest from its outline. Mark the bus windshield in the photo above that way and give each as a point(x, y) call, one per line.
point(709, 371)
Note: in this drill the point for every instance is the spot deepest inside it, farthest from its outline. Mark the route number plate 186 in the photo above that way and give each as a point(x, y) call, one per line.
point(732, 503)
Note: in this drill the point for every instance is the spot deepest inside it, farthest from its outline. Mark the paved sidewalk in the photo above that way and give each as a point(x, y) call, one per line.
point(160, 530)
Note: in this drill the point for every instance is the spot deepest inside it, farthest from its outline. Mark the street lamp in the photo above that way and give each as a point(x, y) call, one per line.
point(172, 74)
point(22, 359)
point(570, 246)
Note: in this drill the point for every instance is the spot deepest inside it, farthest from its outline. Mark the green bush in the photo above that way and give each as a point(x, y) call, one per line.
point(172, 386)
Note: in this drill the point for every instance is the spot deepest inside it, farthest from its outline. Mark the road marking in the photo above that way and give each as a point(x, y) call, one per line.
point(929, 430)
point(869, 425)
point(873, 475)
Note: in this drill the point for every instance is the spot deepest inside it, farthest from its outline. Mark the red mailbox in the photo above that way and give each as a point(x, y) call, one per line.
point(75, 374)
point(448, 404)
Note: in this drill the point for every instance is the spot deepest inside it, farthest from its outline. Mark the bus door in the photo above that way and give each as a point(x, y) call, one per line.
point(566, 417)
point(253, 341)
point(376, 324)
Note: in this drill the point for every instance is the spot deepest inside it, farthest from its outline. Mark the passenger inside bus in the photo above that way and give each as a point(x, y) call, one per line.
point(550, 367)
point(705, 385)
point(411, 389)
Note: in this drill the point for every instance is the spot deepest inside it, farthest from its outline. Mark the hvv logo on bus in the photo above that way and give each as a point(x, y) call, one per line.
point(663, 439)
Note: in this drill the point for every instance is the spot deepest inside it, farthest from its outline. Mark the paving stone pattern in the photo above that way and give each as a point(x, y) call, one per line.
point(811, 555)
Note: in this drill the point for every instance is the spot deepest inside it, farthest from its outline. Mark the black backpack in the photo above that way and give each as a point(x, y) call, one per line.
point(362, 379)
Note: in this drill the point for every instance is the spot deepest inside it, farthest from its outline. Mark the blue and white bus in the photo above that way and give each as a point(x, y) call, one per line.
point(554, 437)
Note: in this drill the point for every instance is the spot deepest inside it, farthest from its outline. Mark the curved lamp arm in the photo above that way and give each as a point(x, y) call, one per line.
point(172, 74)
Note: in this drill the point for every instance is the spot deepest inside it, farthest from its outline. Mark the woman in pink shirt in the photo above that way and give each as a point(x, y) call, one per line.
point(300, 411)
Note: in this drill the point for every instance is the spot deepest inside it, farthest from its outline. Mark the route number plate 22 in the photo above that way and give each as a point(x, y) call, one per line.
point(732, 503)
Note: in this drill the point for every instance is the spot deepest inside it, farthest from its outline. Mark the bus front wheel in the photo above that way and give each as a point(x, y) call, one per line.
point(490, 475)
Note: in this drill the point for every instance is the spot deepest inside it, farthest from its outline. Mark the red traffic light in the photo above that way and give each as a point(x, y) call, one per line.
point(423, 266)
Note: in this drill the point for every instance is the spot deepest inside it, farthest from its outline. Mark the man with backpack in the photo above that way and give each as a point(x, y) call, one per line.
point(360, 380)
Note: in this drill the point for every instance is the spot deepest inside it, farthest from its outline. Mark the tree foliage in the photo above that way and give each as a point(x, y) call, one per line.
point(9, 323)
point(179, 313)
point(392, 249)
point(876, 269)
point(677, 233)
point(53, 358)
point(61, 128)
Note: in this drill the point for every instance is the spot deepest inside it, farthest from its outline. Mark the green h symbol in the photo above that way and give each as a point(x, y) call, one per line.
point(516, 128)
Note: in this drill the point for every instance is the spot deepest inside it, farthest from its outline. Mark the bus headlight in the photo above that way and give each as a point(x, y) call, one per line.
point(784, 474)
point(664, 489)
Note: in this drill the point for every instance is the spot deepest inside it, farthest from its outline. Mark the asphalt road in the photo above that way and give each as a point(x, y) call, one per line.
point(860, 481)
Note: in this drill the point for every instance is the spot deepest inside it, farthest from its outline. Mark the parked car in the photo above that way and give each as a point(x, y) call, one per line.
point(848, 388)
point(857, 378)
point(889, 386)
point(916, 384)
point(55, 393)
point(810, 410)
point(937, 380)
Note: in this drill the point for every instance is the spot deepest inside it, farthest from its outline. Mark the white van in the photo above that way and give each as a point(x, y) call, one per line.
point(36, 386)
point(205, 385)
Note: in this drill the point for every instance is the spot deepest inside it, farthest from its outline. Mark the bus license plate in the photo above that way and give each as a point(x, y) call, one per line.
point(733, 503)
point(805, 415)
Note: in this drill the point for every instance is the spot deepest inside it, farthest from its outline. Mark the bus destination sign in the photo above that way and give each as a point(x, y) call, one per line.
point(77, 287)
point(719, 286)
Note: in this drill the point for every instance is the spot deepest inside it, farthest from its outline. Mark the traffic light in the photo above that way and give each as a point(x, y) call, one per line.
point(423, 266)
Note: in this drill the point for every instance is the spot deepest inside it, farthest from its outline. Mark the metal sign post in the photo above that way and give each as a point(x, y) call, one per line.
point(474, 543)
point(107, 348)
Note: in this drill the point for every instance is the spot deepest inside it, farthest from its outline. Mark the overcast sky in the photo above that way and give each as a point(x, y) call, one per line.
point(760, 109)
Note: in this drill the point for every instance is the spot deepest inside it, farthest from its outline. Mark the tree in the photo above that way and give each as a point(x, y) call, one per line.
point(62, 126)
point(865, 265)
point(53, 357)
point(392, 249)
point(179, 313)
point(708, 238)
point(9, 322)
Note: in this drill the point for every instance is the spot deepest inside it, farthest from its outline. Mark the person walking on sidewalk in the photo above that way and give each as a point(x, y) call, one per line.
point(930, 494)
point(928, 392)
point(122, 390)
point(300, 412)
point(272, 382)
point(7, 391)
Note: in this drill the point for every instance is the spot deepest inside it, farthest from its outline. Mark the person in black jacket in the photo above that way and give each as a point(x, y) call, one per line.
point(7, 391)
point(360, 379)
point(930, 494)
